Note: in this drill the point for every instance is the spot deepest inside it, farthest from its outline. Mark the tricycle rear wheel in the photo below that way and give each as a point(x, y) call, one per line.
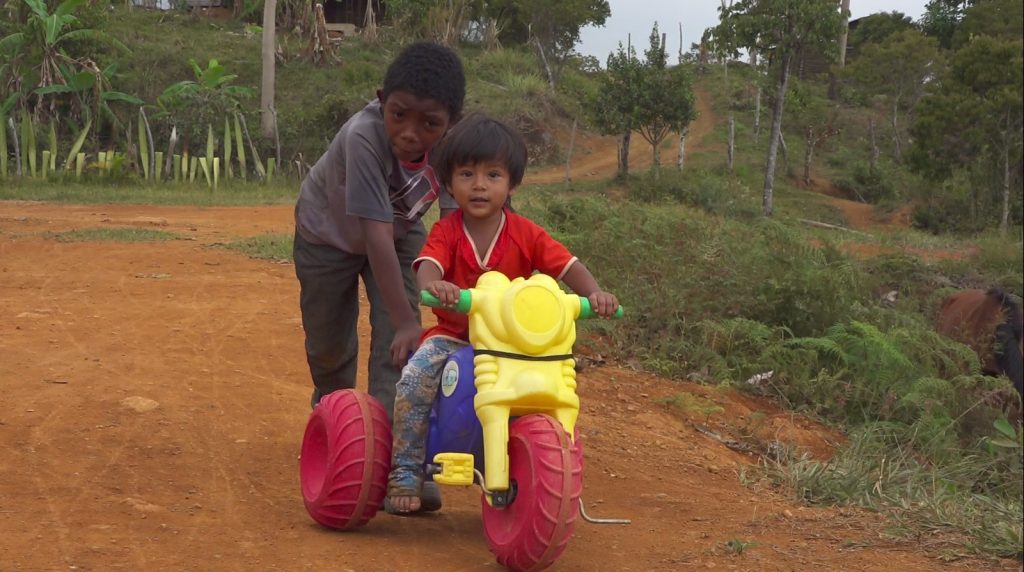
point(346, 456)
point(546, 469)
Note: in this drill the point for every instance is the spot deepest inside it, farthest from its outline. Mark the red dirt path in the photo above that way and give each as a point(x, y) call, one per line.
point(154, 396)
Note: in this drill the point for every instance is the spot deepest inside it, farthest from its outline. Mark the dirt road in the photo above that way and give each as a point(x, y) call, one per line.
point(153, 397)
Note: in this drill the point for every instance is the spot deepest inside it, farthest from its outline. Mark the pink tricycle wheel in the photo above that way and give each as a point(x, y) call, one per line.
point(346, 455)
point(546, 467)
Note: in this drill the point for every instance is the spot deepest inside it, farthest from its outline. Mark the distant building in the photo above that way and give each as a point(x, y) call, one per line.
point(810, 62)
point(348, 15)
point(341, 15)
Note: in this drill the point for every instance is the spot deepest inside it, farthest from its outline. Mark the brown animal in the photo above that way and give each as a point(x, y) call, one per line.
point(991, 323)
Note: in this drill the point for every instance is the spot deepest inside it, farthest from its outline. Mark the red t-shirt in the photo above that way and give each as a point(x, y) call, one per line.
point(519, 248)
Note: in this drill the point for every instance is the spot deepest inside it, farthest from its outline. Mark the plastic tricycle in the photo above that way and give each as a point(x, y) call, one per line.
point(518, 376)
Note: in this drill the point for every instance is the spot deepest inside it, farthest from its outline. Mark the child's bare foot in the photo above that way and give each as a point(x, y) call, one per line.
point(404, 503)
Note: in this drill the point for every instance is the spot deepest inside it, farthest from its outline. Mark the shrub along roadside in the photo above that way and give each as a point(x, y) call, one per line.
point(717, 300)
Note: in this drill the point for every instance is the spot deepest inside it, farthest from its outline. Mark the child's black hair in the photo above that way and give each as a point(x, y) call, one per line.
point(477, 139)
point(428, 71)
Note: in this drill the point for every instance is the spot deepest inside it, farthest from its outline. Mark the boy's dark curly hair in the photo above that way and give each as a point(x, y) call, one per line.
point(428, 71)
point(477, 139)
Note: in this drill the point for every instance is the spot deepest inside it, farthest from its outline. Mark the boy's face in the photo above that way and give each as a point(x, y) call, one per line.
point(481, 189)
point(413, 125)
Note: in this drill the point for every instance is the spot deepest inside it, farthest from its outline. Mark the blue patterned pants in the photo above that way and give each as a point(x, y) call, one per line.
point(416, 392)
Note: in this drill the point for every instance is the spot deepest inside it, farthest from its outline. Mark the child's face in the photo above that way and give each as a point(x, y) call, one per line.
point(413, 125)
point(481, 189)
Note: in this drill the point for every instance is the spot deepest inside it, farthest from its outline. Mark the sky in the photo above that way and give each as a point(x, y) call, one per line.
point(636, 17)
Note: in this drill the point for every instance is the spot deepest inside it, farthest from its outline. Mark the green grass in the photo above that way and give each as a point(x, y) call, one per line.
point(126, 191)
point(958, 505)
point(123, 234)
point(275, 247)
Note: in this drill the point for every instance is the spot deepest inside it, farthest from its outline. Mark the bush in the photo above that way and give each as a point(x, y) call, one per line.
point(871, 185)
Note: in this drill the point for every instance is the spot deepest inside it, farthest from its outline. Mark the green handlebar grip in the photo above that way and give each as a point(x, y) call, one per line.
point(462, 306)
point(587, 312)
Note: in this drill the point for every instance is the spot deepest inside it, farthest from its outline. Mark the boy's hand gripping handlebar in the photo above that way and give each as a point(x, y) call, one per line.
point(466, 301)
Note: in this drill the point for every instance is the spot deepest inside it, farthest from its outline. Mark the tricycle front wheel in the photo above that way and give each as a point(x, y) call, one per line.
point(346, 456)
point(546, 469)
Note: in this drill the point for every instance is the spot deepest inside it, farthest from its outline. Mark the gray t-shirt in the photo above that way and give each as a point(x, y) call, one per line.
point(360, 177)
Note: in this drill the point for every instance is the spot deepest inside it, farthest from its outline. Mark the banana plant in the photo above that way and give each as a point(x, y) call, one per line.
point(5, 110)
point(91, 89)
point(44, 37)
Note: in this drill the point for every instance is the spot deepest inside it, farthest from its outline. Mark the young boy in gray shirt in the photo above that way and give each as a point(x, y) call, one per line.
point(358, 215)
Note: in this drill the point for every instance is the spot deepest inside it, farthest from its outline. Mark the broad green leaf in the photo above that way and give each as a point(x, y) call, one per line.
point(1004, 443)
point(38, 7)
point(67, 7)
point(3, 146)
point(143, 146)
point(82, 81)
point(51, 26)
point(53, 145)
point(119, 96)
point(55, 88)
point(95, 35)
point(1004, 428)
point(12, 43)
point(8, 103)
point(79, 141)
point(209, 142)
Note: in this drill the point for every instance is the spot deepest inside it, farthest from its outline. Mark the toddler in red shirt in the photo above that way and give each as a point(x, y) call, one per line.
point(481, 162)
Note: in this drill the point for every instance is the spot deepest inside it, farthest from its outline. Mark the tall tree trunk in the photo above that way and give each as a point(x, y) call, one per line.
point(17, 148)
point(656, 155)
point(874, 145)
point(730, 150)
point(757, 114)
point(682, 148)
point(568, 155)
point(808, 156)
point(844, 33)
point(269, 55)
point(776, 133)
point(624, 153)
point(898, 149)
point(1004, 223)
point(732, 141)
point(544, 61)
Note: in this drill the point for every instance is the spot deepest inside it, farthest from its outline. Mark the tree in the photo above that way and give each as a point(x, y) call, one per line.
point(875, 28)
point(269, 49)
point(666, 102)
point(844, 36)
point(781, 29)
point(613, 106)
point(815, 119)
point(942, 18)
point(972, 118)
point(42, 43)
point(553, 27)
point(996, 18)
point(897, 69)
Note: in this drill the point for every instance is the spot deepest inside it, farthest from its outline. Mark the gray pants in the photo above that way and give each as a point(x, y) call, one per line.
point(329, 300)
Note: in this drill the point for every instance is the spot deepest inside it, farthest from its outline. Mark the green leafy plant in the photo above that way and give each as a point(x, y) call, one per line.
point(42, 45)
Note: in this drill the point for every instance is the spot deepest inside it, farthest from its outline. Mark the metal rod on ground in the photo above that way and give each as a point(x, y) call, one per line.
point(588, 518)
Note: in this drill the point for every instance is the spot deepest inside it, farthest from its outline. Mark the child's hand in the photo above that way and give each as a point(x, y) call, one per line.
point(446, 292)
point(405, 342)
point(604, 303)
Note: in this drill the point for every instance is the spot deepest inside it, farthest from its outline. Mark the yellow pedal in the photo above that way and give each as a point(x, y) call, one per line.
point(456, 469)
